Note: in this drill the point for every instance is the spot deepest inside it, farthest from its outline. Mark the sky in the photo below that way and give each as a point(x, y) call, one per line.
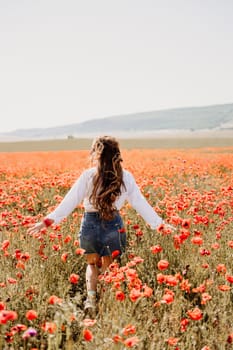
point(68, 61)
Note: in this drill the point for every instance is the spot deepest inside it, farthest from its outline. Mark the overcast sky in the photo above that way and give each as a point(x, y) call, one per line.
point(67, 61)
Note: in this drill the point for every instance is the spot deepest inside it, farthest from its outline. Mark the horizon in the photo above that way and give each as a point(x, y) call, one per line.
point(67, 64)
point(113, 116)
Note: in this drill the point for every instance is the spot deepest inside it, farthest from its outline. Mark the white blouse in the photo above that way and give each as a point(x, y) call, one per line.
point(82, 189)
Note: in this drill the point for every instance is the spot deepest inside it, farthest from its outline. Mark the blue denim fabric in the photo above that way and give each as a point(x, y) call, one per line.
point(101, 236)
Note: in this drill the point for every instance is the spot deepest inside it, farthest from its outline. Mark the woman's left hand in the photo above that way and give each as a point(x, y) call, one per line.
point(36, 228)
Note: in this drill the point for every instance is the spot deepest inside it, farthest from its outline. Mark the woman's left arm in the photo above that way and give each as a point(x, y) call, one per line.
point(73, 197)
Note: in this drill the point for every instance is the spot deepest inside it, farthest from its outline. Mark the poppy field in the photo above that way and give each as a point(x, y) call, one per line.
point(171, 290)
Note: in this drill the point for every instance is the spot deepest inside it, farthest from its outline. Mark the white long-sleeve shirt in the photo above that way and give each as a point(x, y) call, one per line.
point(82, 189)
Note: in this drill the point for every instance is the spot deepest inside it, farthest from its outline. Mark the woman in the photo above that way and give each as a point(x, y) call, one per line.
point(103, 189)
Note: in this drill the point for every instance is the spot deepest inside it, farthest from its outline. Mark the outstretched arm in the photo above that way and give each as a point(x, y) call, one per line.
point(141, 205)
point(73, 197)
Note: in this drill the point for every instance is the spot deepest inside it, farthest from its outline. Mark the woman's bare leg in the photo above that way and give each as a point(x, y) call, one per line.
point(106, 261)
point(92, 271)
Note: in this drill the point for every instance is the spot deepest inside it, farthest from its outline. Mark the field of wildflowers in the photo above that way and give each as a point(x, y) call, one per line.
point(171, 290)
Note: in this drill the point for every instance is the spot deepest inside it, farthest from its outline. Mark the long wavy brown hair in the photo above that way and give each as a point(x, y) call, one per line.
point(108, 180)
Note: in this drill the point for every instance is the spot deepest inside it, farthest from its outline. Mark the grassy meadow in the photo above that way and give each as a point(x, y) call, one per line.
point(181, 141)
point(171, 290)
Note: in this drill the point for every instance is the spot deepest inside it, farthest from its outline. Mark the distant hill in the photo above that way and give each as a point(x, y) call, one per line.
point(215, 117)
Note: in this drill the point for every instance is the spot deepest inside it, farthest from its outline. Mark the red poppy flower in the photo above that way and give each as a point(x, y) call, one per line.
point(117, 339)
point(2, 306)
point(53, 299)
point(5, 244)
point(11, 280)
point(186, 223)
point(171, 280)
point(205, 297)
point(129, 329)
point(139, 233)
point(67, 239)
point(7, 315)
point(136, 226)
point(131, 342)
point(230, 338)
point(163, 265)
point(197, 240)
point(49, 327)
point(204, 251)
point(31, 315)
point(168, 297)
point(161, 228)
point(172, 341)
point(160, 278)
point(87, 335)
point(147, 291)
point(115, 253)
point(135, 294)
point(120, 296)
point(224, 287)
point(185, 285)
point(156, 249)
point(79, 251)
point(25, 256)
point(74, 278)
point(195, 314)
point(229, 278)
point(64, 257)
point(183, 324)
point(48, 222)
point(215, 245)
point(20, 265)
point(221, 268)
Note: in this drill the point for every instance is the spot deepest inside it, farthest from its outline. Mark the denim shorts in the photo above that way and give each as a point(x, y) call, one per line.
point(102, 236)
